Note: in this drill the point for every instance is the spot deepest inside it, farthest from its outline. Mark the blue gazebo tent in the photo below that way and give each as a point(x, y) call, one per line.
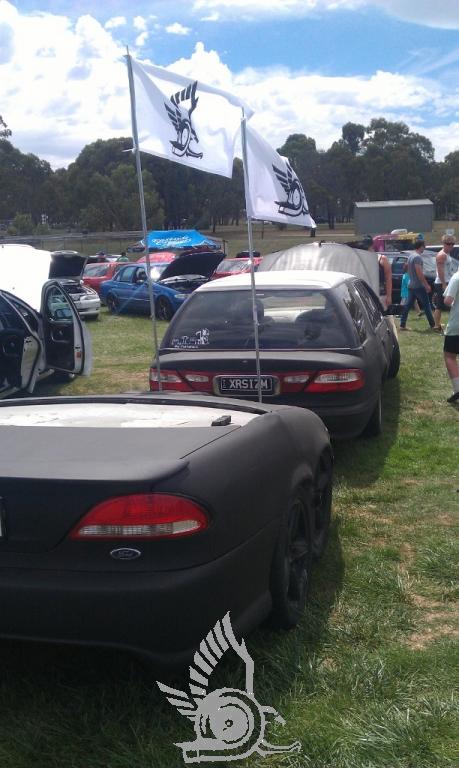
point(178, 238)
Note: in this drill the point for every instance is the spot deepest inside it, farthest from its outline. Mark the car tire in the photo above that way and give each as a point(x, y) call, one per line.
point(321, 504)
point(163, 309)
point(291, 565)
point(112, 304)
point(394, 364)
point(374, 426)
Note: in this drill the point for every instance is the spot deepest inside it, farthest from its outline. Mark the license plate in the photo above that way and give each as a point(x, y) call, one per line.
point(236, 385)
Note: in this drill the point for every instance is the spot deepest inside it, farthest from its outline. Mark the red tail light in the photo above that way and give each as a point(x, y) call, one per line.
point(342, 380)
point(170, 380)
point(142, 516)
point(181, 381)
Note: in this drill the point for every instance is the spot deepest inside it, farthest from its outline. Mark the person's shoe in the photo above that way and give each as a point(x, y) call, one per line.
point(404, 328)
point(437, 328)
point(454, 398)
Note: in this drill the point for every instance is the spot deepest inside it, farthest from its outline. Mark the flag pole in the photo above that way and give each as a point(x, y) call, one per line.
point(251, 261)
point(136, 150)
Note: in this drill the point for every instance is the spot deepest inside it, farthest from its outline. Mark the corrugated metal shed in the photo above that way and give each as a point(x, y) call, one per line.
point(381, 216)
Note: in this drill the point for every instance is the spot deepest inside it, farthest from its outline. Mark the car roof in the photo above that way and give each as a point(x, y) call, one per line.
point(298, 278)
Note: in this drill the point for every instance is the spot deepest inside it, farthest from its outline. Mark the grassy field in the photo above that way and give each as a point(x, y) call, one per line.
point(366, 681)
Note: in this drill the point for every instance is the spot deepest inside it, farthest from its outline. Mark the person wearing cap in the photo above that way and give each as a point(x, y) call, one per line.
point(444, 266)
point(451, 343)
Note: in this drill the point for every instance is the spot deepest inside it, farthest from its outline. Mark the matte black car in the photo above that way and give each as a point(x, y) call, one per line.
point(138, 521)
point(324, 344)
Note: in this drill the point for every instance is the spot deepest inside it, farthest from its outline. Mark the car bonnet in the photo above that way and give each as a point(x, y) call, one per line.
point(193, 263)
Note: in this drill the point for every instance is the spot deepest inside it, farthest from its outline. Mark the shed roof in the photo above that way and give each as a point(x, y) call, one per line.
point(392, 203)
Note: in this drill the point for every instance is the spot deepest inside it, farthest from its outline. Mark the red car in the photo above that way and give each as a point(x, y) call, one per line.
point(229, 267)
point(96, 274)
point(158, 257)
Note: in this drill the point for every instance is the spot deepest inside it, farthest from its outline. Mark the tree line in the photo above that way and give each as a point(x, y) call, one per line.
point(99, 192)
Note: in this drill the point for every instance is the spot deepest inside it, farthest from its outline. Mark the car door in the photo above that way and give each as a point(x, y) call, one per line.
point(379, 324)
point(126, 286)
point(66, 341)
point(141, 299)
point(20, 347)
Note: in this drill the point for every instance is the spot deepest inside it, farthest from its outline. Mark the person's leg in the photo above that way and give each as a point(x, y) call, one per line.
point(409, 305)
point(423, 299)
point(450, 352)
point(437, 302)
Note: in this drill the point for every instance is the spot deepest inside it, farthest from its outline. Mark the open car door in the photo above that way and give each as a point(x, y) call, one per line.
point(19, 347)
point(66, 339)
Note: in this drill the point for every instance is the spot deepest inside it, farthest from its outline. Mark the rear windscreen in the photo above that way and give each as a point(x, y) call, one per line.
point(287, 319)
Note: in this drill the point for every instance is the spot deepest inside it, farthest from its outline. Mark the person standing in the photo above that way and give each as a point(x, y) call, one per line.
point(444, 266)
point(385, 274)
point(451, 344)
point(418, 287)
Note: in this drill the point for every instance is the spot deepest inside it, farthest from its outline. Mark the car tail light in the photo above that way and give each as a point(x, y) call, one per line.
point(295, 381)
point(342, 380)
point(142, 516)
point(170, 380)
point(183, 381)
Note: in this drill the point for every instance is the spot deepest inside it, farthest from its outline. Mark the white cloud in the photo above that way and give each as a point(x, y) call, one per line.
point(141, 39)
point(215, 16)
point(424, 12)
point(115, 22)
point(177, 29)
point(140, 23)
point(64, 85)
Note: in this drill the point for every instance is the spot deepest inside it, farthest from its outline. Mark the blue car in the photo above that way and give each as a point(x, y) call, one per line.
point(173, 282)
point(128, 292)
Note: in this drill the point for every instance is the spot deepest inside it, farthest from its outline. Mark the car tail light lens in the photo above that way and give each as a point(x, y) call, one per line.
point(183, 381)
point(295, 382)
point(343, 380)
point(170, 380)
point(142, 516)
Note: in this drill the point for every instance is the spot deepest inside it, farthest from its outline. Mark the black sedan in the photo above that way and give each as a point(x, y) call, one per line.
point(324, 344)
point(139, 521)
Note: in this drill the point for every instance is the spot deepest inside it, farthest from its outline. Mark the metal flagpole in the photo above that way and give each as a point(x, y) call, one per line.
point(136, 150)
point(251, 261)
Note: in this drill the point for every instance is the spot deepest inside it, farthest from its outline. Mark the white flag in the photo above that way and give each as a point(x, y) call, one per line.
point(185, 120)
point(275, 192)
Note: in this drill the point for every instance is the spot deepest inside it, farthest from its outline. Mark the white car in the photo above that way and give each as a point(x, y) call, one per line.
point(40, 328)
point(35, 344)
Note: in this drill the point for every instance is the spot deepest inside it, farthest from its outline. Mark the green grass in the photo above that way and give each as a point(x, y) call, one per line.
point(366, 681)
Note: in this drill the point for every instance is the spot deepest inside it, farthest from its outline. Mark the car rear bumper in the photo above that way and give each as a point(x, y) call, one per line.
point(162, 616)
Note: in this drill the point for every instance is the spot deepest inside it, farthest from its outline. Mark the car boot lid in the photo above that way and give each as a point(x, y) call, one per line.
point(24, 270)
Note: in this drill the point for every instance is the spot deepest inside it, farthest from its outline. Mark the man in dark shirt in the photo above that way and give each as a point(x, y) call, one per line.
point(418, 287)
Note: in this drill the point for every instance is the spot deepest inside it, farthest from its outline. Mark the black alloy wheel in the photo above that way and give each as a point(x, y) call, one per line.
point(291, 566)
point(163, 309)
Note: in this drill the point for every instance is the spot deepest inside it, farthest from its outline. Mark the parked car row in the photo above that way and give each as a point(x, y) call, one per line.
point(159, 522)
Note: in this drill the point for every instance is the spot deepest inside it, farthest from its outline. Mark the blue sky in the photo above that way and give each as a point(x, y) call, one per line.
point(305, 66)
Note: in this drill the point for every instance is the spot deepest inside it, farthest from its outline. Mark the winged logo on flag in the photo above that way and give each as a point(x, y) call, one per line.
point(181, 120)
point(229, 723)
point(295, 204)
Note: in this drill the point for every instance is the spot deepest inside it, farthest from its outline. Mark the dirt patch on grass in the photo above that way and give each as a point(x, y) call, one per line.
point(419, 640)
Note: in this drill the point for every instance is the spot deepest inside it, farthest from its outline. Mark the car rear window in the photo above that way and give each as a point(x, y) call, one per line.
point(96, 270)
point(287, 319)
